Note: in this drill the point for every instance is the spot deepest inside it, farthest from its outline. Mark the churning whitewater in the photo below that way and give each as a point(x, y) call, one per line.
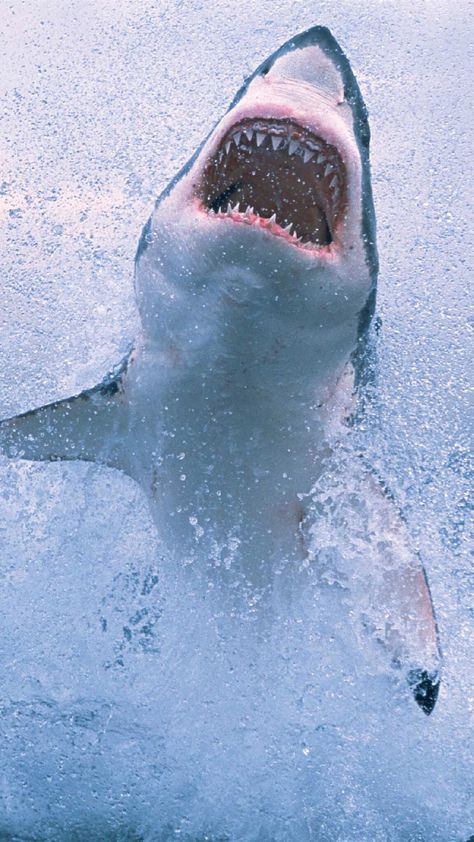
point(215, 623)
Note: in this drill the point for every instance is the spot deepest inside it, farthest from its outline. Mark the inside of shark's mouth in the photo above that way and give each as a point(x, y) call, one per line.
point(278, 175)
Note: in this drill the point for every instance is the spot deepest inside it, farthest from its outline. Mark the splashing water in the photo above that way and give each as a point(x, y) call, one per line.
point(140, 699)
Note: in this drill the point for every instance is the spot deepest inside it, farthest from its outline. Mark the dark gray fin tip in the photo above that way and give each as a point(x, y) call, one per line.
point(425, 687)
point(111, 383)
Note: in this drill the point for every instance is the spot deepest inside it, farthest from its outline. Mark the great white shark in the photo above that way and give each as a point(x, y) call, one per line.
point(255, 281)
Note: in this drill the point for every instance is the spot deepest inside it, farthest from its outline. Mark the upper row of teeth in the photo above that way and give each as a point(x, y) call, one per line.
point(306, 150)
point(311, 149)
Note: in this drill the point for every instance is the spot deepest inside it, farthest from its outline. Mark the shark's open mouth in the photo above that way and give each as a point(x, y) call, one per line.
point(278, 175)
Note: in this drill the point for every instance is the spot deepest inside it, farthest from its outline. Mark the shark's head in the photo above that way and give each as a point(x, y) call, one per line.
point(275, 206)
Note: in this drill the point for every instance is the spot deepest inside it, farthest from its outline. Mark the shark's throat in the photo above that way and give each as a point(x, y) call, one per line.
point(236, 452)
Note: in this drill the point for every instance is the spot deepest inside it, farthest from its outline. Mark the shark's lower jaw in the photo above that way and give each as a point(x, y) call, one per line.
point(280, 176)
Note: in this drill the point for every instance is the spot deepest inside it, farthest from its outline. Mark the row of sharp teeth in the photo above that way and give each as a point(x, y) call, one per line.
point(308, 151)
point(247, 214)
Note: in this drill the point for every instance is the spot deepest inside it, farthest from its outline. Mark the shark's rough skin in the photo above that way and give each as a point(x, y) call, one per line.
point(255, 281)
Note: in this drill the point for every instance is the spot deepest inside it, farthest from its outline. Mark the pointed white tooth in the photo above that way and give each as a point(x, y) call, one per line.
point(236, 207)
point(294, 235)
point(272, 219)
point(236, 138)
point(293, 146)
point(229, 207)
point(307, 155)
point(211, 212)
point(248, 211)
point(227, 147)
point(333, 182)
point(259, 137)
point(276, 141)
point(329, 168)
point(321, 158)
point(249, 133)
point(288, 228)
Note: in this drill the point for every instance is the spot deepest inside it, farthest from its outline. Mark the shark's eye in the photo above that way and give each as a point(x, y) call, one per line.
point(280, 172)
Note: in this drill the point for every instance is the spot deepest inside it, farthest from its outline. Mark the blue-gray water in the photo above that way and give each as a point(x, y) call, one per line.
point(128, 705)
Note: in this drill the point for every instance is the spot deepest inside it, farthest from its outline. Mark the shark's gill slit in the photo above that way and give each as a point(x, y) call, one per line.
point(279, 173)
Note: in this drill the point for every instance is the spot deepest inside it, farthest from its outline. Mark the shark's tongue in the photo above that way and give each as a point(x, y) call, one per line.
point(278, 170)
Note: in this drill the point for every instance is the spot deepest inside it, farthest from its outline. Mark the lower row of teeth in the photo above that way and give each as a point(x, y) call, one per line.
point(249, 212)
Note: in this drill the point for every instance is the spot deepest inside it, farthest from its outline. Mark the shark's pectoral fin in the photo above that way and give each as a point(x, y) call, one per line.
point(398, 609)
point(362, 545)
point(410, 628)
point(89, 426)
point(399, 614)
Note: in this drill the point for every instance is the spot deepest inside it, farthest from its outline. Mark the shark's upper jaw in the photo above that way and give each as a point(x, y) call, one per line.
point(280, 176)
